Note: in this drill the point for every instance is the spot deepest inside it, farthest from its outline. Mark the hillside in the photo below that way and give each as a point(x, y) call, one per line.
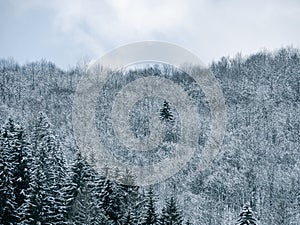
point(259, 161)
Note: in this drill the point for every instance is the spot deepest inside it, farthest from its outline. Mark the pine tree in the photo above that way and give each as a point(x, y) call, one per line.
point(14, 173)
point(7, 195)
point(85, 188)
point(171, 214)
point(37, 195)
point(80, 174)
point(163, 217)
point(246, 216)
point(129, 219)
point(129, 196)
point(165, 112)
point(150, 215)
point(111, 202)
point(85, 208)
point(48, 195)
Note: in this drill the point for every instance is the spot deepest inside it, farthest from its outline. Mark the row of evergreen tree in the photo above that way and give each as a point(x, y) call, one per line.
point(37, 186)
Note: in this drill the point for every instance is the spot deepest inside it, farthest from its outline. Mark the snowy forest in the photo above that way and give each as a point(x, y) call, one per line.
point(44, 179)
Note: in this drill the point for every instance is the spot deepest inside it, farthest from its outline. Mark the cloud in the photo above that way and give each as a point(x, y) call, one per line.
point(101, 25)
point(210, 28)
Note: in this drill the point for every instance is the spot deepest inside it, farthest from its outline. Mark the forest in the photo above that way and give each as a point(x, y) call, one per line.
point(44, 178)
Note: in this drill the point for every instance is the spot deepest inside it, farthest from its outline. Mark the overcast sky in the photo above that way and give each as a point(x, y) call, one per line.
point(68, 31)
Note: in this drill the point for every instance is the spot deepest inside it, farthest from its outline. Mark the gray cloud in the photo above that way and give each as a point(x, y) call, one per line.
point(65, 31)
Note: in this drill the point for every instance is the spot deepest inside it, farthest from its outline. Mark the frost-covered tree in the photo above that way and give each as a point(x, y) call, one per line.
point(260, 148)
point(165, 112)
point(86, 208)
point(150, 217)
point(171, 215)
point(14, 173)
point(246, 217)
point(163, 216)
point(84, 191)
point(129, 220)
point(110, 201)
point(48, 196)
point(80, 175)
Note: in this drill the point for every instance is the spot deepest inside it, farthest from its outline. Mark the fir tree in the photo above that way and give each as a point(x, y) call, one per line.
point(110, 202)
point(80, 174)
point(150, 215)
point(129, 219)
point(171, 214)
point(14, 182)
point(165, 112)
point(129, 196)
point(85, 189)
point(85, 208)
point(7, 195)
point(246, 216)
point(48, 196)
point(163, 217)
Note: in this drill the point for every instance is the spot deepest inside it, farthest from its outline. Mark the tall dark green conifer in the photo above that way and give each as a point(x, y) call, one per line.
point(14, 173)
point(171, 214)
point(165, 112)
point(246, 217)
point(85, 206)
point(129, 197)
point(150, 215)
point(110, 201)
point(129, 219)
point(48, 196)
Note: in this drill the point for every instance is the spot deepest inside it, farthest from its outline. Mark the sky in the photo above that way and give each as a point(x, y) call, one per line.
point(68, 31)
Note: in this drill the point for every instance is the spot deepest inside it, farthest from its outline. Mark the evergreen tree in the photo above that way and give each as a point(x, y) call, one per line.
point(85, 189)
point(129, 219)
point(150, 215)
point(166, 115)
point(111, 202)
point(163, 217)
point(129, 196)
point(86, 209)
point(246, 216)
point(165, 112)
point(171, 214)
point(7, 195)
point(37, 203)
point(48, 196)
point(14, 173)
point(80, 174)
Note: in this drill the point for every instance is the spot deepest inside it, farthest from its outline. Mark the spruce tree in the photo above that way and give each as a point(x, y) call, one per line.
point(165, 112)
point(129, 197)
point(80, 174)
point(85, 208)
point(129, 219)
point(111, 202)
point(171, 214)
point(150, 215)
point(85, 188)
point(246, 216)
point(14, 173)
point(7, 195)
point(163, 217)
point(48, 196)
